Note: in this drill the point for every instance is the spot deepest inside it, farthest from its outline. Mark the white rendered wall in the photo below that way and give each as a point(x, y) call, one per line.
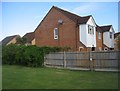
point(83, 34)
point(106, 38)
point(89, 40)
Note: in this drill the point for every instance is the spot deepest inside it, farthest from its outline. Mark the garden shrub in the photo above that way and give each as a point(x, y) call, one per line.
point(32, 56)
point(8, 54)
point(20, 57)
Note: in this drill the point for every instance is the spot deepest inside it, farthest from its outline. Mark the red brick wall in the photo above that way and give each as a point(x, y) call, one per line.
point(44, 34)
point(99, 42)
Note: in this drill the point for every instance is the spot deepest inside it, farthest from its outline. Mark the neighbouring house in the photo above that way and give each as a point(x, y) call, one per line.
point(62, 28)
point(105, 37)
point(117, 40)
point(30, 38)
point(10, 40)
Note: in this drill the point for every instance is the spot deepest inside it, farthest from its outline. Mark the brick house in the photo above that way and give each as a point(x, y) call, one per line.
point(62, 28)
point(105, 38)
point(10, 40)
point(116, 35)
point(30, 38)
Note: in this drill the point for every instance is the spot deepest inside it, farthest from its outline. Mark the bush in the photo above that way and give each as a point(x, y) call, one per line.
point(32, 56)
point(8, 54)
point(22, 55)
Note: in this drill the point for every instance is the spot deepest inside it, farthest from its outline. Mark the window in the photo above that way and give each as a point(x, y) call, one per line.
point(111, 48)
point(99, 35)
point(90, 29)
point(55, 33)
point(93, 48)
point(80, 48)
point(105, 49)
point(110, 35)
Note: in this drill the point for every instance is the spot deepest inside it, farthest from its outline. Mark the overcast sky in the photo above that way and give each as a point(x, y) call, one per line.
point(22, 17)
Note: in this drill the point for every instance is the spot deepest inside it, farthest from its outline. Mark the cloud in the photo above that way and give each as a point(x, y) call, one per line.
point(85, 8)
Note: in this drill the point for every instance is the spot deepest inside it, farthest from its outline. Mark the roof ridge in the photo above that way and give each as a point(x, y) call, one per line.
point(106, 26)
point(8, 38)
point(29, 36)
point(71, 12)
point(86, 16)
point(30, 32)
point(66, 11)
point(74, 17)
point(12, 35)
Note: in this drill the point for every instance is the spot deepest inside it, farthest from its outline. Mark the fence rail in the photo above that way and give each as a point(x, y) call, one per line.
point(104, 61)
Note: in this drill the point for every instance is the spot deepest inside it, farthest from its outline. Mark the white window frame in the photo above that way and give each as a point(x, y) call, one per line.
point(55, 35)
point(90, 29)
point(80, 48)
point(99, 35)
point(105, 49)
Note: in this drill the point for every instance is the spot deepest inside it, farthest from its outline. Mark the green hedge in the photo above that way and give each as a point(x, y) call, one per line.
point(22, 55)
point(32, 56)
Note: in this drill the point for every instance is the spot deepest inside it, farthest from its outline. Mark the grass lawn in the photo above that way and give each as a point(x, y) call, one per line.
point(0, 77)
point(18, 77)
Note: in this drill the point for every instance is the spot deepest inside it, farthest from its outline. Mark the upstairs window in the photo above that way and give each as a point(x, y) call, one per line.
point(99, 35)
point(55, 33)
point(90, 29)
point(110, 35)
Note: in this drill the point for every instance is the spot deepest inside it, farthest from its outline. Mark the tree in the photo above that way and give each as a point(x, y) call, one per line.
point(21, 40)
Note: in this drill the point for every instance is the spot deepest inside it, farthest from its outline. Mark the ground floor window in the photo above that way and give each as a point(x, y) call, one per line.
point(105, 49)
point(93, 49)
point(111, 48)
point(80, 48)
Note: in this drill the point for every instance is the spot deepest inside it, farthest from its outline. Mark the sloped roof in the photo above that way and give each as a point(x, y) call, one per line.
point(103, 28)
point(29, 36)
point(8, 39)
point(116, 34)
point(98, 29)
point(77, 19)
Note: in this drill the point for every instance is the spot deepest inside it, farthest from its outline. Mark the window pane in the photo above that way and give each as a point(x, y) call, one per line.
point(99, 35)
point(56, 31)
point(110, 35)
point(90, 29)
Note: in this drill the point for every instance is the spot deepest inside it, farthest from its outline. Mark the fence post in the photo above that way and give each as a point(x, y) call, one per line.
point(64, 61)
point(77, 61)
point(44, 60)
point(91, 61)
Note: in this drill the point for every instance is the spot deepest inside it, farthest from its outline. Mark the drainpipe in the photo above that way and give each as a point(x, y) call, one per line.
point(60, 22)
point(58, 36)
